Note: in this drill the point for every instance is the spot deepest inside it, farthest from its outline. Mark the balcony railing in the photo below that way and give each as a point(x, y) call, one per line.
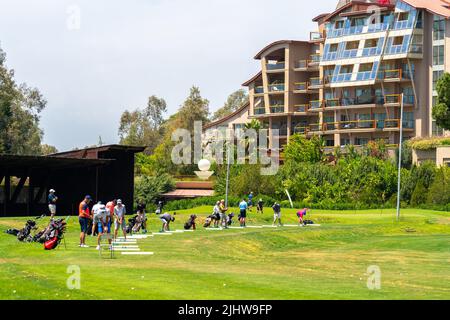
point(330, 103)
point(279, 108)
point(315, 36)
point(260, 111)
point(315, 58)
point(302, 64)
point(276, 66)
point(391, 124)
point(315, 127)
point(357, 124)
point(300, 130)
point(301, 107)
point(392, 74)
point(301, 86)
point(259, 90)
point(316, 104)
point(315, 82)
point(276, 87)
point(396, 99)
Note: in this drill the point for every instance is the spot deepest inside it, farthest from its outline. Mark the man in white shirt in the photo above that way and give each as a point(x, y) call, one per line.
point(95, 209)
point(101, 220)
point(119, 219)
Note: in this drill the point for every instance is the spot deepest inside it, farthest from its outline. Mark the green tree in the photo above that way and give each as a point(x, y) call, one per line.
point(441, 112)
point(143, 127)
point(48, 149)
point(20, 107)
point(234, 101)
point(302, 149)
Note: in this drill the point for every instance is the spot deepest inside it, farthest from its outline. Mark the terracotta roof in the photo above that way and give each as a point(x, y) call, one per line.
point(438, 7)
point(249, 81)
point(226, 118)
point(188, 193)
point(320, 16)
point(259, 54)
point(351, 4)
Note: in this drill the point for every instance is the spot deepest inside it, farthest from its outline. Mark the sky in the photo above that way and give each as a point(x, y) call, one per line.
point(92, 60)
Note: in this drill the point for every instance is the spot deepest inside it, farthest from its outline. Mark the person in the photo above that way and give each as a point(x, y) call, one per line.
point(243, 212)
point(159, 208)
point(101, 219)
point(119, 219)
point(301, 214)
point(83, 217)
point(216, 214)
point(52, 198)
point(95, 209)
point(250, 201)
point(277, 213)
point(166, 219)
point(260, 206)
point(223, 214)
point(141, 213)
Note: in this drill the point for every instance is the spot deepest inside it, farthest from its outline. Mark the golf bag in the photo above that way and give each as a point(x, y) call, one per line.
point(131, 224)
point(190, 223)
point(211, 218)
point(230, 219)
point(138, 223)
point(25, 233)
point(53, 234)
point(207, 222)
point(89, 229)
point(306, 222)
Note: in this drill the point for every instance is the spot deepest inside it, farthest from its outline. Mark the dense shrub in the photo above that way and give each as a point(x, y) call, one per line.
point(148, 188)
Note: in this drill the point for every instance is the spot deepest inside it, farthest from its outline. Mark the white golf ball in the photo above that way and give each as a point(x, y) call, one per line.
point(204, 165)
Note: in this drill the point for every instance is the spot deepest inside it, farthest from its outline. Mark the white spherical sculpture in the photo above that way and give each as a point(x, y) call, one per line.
point(204, 165)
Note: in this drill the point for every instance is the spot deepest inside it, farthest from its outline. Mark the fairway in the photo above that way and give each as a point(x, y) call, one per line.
point(326, 262)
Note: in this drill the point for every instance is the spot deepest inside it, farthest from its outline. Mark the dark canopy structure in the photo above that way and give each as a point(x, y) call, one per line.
point(105, 173)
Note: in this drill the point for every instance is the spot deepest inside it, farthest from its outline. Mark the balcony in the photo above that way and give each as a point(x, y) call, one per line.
point(301, 86)
point(259, 111)
point(316, 36)
point(315, 59)
point(301, 108)
point(259, 90)
point(355, 125)
point(316, 104)
point(332, 103)
point(394, 75)
point(279, 66)
point(278, 108)
point(277, 87)
point(395, 99)
point(315, 127)
point(315, 83)
point(302, 64)
point(300, 130)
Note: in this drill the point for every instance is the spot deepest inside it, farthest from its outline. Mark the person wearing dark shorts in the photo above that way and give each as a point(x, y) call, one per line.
point(166, 219)
point(243, 212)
point(83, 217)
point(141, 213)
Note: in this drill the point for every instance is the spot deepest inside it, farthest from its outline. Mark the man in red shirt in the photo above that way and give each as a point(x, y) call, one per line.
point(83, 217)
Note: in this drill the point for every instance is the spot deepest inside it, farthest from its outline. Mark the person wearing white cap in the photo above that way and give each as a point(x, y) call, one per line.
point(95, 209)
point(119, 219)
point(52, 198)
point(101, 221)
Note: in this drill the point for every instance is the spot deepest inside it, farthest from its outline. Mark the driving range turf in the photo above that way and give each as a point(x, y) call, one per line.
point(326, 262)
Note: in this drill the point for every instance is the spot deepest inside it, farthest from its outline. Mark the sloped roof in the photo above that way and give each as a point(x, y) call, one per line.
point(439, 7)
point(226, 118)
point(273, 44)
point(252, 79)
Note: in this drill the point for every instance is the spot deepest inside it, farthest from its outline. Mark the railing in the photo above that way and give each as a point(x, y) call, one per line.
point(342, 77)
point(392, 74)
point(314, 36)
point(391, 124)
point(352, 53)
point(330, 126)
point(316, 104)
point(259, 90)
point(259, 111)
point(330, 103)
point(393, 98)
point(276, 66)
point(276, 87)
point(302, 64)
point(357, 124)
point(315, 58)
point(315, 127)
point(277, 108)
point(301, 86)
point(300, 130)
point(315, 82)
point(416, 48)
point(364, 76)
point(301, 107)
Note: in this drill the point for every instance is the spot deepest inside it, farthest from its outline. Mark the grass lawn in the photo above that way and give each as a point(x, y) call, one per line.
point(327, 262)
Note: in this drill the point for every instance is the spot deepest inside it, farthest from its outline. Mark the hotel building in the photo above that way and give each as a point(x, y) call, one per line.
point(346, 82)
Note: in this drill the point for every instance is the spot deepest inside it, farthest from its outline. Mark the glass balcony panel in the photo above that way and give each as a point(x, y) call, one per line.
point(275, 66)
point(301, 108)
point(315, 127)
point(259, 111)
point(391, 124)
point(315, 58)
point(277, 108)
point(314, 82)
point(301, 86)
point(330, 103)
point(259, 90)
point(276, 87)
point(300, 130)
point(316, 104)
point(302, 64)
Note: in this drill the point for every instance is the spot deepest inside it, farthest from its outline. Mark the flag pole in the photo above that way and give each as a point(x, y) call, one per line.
point(400, 147)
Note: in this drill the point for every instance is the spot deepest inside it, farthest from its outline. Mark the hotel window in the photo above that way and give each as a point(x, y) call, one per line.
point(404, 16)
point(339, 24)
point(358, 22)
point(346, 69)
point(361, 141)
point(345, 141)
point(352, 45)
point(334, 47)
point(366, 67)
point(438, 55)
point(371, 43)
point(438, 28)
point(436, 76)
point(398, 41)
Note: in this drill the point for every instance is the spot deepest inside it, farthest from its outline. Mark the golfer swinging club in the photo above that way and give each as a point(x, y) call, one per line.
point(119, 222)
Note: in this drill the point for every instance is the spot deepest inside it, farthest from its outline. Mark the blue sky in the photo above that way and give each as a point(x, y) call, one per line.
point(125, 51)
